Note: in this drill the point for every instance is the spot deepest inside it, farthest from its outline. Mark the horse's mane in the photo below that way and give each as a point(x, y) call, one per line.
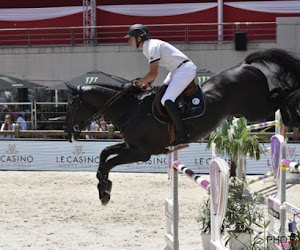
point(288, 74)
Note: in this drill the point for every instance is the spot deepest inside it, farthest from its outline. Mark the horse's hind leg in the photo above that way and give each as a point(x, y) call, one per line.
point(105, 185)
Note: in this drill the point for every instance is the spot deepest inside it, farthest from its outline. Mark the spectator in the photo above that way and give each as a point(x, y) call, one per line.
point(5, 108)
point(102, 124)
point(42, 122)
point(28, 118)
point(14, 114)
point(7, 125)
point(21, 121)
point(4, 112)
point(91, 127)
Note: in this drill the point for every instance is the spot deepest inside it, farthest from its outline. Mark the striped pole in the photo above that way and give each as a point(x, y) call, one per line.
point(263, 125)
point(261, 177)
point(292, 166)
point(192, 175)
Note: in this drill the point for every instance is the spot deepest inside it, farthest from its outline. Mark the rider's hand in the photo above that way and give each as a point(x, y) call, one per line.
point(143, 87)
point(135, 82)
point(129, 86)
point(133, 86)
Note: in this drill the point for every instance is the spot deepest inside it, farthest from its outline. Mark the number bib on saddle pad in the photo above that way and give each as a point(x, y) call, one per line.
point(191, 104)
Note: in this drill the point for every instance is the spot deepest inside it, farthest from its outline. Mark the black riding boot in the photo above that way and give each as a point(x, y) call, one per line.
point(174, 113)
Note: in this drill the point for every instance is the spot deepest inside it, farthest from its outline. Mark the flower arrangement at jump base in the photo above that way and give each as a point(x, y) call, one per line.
point(243, 213)
point(242, 223)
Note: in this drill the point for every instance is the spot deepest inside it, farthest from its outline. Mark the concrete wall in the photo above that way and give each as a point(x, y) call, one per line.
point(288, 34)
point(54, 65)
point(49, 66)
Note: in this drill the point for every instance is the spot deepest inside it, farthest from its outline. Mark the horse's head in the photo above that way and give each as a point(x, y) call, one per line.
point(77, 115)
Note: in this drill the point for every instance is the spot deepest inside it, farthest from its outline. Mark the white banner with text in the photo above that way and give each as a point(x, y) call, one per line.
point(85, 156)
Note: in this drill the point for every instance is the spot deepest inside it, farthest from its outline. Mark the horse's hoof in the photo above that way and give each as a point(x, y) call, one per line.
point(108, 186)
point(104, 192)
point(105, 199)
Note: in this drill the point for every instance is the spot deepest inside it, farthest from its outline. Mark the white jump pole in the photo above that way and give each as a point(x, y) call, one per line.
point(172, 207)
point(277, 145)
point(218, 189)
point(278, 125)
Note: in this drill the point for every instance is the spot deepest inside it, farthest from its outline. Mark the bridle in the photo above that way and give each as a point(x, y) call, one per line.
point(74, 105)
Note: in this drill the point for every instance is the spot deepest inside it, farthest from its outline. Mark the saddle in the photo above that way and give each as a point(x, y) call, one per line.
point(190, 102)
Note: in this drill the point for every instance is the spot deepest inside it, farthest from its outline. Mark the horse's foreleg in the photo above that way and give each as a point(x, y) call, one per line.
point(105, 185)
point(114, 149)
point(126, 155)
point(108, 151)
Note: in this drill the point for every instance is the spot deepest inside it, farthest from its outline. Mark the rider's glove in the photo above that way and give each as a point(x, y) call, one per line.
point(133, 86)
point(135, 81)
point(129, 86)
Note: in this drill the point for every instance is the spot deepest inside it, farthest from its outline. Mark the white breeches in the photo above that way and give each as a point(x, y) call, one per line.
point(178, 80)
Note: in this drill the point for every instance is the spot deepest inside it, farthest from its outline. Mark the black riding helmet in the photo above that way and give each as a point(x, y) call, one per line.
point(137, 30)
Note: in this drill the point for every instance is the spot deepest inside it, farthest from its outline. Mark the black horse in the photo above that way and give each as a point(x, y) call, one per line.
point(264, 82)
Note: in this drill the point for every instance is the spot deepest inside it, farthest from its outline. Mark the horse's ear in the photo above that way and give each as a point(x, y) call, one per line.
point(72, 87)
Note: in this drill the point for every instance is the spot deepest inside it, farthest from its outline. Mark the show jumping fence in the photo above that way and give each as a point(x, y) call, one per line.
point(218, 190)
point(278, 207)
point(241, 168)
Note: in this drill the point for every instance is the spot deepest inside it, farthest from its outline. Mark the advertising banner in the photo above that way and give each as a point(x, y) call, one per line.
point(85, 156)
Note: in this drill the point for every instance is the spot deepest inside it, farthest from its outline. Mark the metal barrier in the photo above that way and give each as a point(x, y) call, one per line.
point(17, 133)
point(17, 108)
point(38, 115)
point(111, 34)
point(49, 115)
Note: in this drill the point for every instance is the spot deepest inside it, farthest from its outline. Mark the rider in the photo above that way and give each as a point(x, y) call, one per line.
point(181, 69)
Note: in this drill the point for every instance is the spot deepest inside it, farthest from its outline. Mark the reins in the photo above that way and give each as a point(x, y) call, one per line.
point(94, 117)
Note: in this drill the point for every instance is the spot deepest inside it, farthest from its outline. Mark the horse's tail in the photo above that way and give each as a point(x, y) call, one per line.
point(288, 79)
point(288, 74)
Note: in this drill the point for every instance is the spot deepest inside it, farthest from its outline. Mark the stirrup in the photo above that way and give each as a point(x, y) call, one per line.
point(180, 141)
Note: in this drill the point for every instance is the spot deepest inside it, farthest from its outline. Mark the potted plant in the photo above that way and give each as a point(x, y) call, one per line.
point(204, 220)
point(243, 214)
point(234, 139)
